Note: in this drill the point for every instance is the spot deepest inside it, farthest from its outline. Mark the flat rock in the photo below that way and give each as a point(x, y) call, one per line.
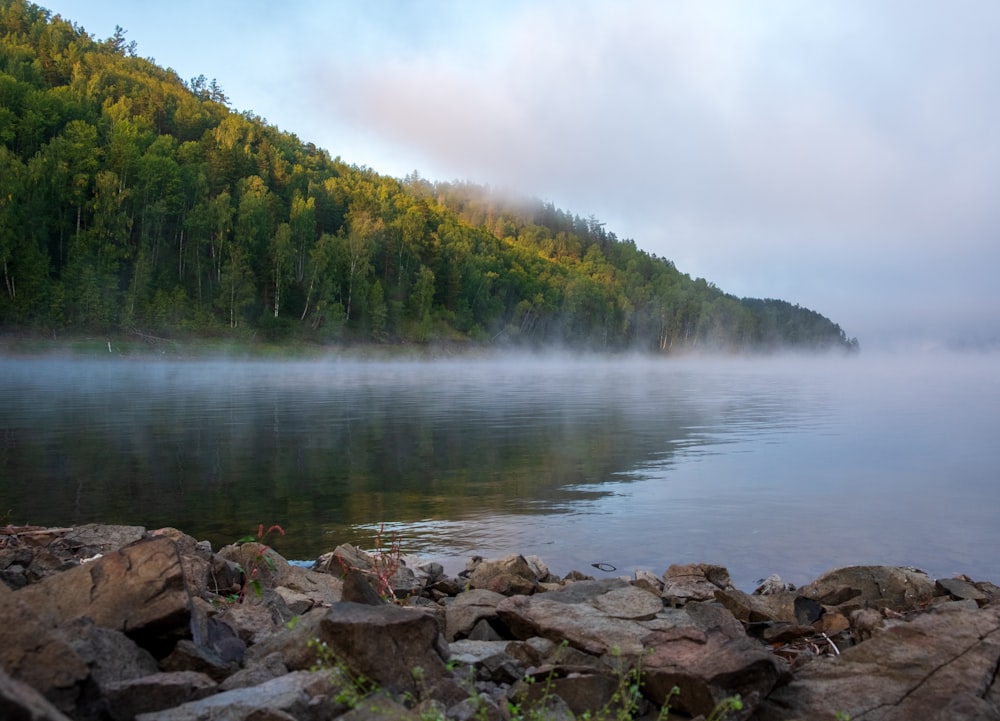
point(301, 694)
point(941, 665)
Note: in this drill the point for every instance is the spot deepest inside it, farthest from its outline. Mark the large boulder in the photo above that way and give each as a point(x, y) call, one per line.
point(139, 590)
point(940, 666)
point(385, 644)
point(893, 587)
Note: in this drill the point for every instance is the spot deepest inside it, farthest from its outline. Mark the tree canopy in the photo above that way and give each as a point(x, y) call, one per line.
point(132, 199)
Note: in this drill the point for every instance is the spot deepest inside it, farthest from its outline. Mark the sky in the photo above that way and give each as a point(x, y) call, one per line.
point(843, 155)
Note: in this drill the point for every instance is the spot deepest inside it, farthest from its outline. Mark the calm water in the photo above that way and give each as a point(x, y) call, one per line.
point(763, 466)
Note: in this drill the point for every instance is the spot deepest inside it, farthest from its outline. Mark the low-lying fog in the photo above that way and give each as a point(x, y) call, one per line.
point(766, 465)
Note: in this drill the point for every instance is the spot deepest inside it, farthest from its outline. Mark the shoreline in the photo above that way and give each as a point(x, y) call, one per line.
point(122, 622)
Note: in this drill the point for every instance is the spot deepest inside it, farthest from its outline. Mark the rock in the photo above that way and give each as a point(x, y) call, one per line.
point(629, 602)
point(694, 582)
point(467, 609)
point(941, 665)
point(509, 575)
point(708, 669)
point(807, 610)
point(21, 702)
point(301, 694)
point(384, 644)
point(358, 589)
point(155, 692)
point(961, 590)
point(297, 603)
point(139, 590)
point(580, 692)
point(271, 666)
point(900, 589)
point(90, 539)
point(581, 624)
point(772, 585)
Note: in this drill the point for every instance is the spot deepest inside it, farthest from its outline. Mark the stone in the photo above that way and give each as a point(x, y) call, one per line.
point(300, 694)
point(93, 538)
point(709, 669)
point(358, 589)
point(961, 590)
point(384, 644)
point(508, 576)
point(155, 692)
point(941, 665)
point(897, 588)
point(469, 608)
point(772, 585)
point(139, 590)
point(694, 582)
point(298, 603)
point(271, 666)
point(629, 602)
point(21, 702)
point(581, 624)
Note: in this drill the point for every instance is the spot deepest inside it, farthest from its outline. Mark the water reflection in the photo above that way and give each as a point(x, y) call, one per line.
point(637, 464)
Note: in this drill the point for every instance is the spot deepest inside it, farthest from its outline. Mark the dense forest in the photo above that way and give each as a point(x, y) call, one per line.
point(134, 201)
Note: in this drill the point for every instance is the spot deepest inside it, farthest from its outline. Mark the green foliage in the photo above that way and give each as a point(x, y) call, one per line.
point(124, 189)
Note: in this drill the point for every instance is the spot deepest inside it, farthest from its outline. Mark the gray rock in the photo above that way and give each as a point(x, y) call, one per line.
point(467, 609)
point(301, 694)
point(961, 590)
point(629, 602)
point(21, 702)
point(941, 665)
point(155, 692)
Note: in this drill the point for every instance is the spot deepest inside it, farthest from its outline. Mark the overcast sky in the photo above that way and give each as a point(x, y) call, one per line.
point(843, 155)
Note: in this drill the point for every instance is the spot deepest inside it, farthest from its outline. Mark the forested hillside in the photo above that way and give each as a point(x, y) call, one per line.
point(131, 200)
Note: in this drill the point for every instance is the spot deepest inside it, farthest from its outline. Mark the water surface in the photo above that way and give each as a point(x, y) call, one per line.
point(761, 465)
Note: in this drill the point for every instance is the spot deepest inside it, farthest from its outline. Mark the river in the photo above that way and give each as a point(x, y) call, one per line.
point(776, 465)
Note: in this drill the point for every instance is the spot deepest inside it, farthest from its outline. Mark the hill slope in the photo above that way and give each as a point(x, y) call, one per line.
point(130, 199)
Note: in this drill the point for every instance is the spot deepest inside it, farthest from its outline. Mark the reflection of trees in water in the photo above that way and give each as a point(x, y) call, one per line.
point(215, 459)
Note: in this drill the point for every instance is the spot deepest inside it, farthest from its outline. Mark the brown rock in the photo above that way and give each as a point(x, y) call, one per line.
point(900, 589)
point(694, 582)
point(509, 576)
point(939, 666)
point(139, 590)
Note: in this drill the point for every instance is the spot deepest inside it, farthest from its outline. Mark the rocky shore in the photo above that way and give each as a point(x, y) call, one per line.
point(120, 622)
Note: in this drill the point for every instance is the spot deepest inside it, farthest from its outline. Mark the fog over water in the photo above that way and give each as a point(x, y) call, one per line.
point(769, 465)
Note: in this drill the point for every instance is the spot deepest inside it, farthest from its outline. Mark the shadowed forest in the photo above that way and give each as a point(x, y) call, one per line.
point(134, 201)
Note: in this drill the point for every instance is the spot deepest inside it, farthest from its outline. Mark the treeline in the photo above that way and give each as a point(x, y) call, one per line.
point(133, 200)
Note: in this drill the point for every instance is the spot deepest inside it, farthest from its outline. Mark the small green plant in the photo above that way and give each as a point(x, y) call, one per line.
point(724, 707)
point(357, 686)
point(251, 574)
